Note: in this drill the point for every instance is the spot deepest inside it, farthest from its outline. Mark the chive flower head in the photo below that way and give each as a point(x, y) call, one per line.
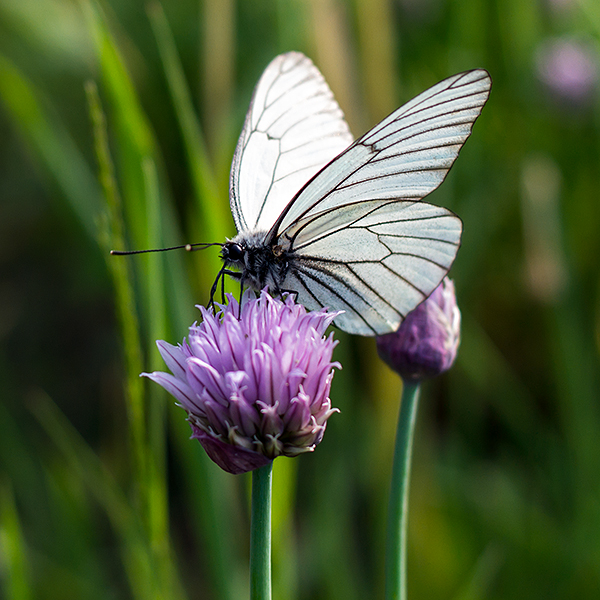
point(426, 343)
point(255, 383)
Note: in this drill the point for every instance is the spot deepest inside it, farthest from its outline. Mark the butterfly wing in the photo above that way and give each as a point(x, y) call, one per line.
point(406, 156)
point(376, 260)
point(293, 128)
point(357, 235)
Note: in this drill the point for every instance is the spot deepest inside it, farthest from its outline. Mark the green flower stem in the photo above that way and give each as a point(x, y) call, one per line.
point(260, 534)
point(395, 566)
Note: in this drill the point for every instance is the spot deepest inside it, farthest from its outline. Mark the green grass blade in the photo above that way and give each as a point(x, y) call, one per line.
point(215, 515)
point(214, 217)
point(285, 555)
point(158, 516)
point(52, 143)
point(14, 571)
point(136, 143)
point(112, 236)
point(135, 138)
point(124, 518)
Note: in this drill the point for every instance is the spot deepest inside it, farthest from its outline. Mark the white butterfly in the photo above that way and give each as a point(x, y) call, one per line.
point(341, 224)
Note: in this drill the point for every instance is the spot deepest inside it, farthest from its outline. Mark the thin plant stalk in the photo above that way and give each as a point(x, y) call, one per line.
point(112, 235)
point(260, 534)
point(395, 565)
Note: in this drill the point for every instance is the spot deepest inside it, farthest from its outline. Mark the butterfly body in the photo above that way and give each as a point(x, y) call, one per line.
point(258, 264)
point(341, 223)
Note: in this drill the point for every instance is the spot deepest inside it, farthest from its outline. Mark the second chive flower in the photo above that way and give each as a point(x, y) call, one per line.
point(427, 341)
point(254, 387)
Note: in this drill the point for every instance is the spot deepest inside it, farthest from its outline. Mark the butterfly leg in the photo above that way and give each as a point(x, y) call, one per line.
point(223, 288)
point(221, 276)
point(213, 290)
point(240, 300)
point(291, 293)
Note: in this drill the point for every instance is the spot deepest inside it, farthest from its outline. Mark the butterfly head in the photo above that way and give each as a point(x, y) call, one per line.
point(249, 258)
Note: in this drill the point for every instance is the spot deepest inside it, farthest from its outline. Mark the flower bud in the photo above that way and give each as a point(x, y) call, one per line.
point(569, 69)
point(426, 342)
point(255, 385)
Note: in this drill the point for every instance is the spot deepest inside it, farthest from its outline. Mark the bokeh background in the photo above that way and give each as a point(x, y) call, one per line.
point(118, 120)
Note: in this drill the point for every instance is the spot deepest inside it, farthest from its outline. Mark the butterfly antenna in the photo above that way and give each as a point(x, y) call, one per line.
point(187, 247)
point(192, 247)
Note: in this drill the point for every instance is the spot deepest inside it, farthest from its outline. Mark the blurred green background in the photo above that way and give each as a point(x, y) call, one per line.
point(118, 122)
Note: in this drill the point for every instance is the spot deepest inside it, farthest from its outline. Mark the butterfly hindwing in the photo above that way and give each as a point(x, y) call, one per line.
point(375, 260)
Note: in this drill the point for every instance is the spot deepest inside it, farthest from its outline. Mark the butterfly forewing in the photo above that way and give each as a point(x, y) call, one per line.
point(293, 128)
point(406, 156)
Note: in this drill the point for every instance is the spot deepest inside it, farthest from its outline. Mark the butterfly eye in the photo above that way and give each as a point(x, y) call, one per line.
point(235, 252)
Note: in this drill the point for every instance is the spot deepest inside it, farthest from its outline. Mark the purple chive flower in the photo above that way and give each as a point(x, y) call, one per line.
point(426, 343)
point(254, 387)
point(569, 69)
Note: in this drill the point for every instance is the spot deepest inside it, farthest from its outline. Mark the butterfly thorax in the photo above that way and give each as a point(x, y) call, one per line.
point(257, 262)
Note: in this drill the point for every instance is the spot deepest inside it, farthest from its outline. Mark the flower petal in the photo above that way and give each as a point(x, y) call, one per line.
point(174, 357)
point(181, 390)
point(232, 459)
